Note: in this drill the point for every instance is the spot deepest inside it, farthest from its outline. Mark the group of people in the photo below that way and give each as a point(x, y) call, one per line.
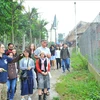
point(36, 62)
point(60, 57)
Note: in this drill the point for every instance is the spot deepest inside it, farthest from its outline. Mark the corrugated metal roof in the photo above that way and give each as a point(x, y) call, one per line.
point(81, 28)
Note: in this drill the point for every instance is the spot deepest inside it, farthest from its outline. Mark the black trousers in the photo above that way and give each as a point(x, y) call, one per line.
point(58, 61)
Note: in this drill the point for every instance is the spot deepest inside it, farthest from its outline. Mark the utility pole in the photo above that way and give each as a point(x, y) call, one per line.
point(75, 27)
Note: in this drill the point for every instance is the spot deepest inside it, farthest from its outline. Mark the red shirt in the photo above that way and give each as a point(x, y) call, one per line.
point(38, 66)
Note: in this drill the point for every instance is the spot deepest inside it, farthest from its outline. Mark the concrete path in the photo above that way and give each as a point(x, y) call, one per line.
point(55, 75)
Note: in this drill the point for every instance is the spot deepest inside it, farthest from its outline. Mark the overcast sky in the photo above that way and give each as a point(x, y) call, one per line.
point(65, 12)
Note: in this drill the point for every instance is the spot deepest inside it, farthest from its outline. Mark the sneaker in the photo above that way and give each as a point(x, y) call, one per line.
point(68, 69)
point(22, 98)
point(29, 98)
point(63, 71)
point(48, 93)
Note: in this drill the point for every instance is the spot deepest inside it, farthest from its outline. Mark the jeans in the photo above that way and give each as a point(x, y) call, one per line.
point(11, 84)
point(65, 63)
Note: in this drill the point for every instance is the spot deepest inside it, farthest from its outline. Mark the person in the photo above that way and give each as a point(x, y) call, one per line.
point(17, 63)
point(65, 57)
point(42, 48)
point(12, 78)
point(52, 59)
point(17, 67)
point(10, 47)
point(14, 52)
point(27, 64)
point(43, 77)
point(32, 49)
point(57, 55)
point(4, 60)
point(46, 50)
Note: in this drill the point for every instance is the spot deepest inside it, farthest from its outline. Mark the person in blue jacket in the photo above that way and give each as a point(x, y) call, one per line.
point(4, 60)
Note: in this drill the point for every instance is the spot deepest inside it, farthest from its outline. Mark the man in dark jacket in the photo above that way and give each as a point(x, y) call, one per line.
point(10, 48)
point(64, 54)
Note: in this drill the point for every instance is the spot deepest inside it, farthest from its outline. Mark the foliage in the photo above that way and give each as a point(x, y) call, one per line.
point(51, 43)
point(78, 62)
point(78, 84)
point(16, 22)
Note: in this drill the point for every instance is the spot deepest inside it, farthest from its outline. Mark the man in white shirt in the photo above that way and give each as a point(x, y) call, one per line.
point(42, 48)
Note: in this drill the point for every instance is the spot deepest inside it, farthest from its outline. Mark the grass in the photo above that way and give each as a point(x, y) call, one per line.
point(79, 84)
point(56, 98)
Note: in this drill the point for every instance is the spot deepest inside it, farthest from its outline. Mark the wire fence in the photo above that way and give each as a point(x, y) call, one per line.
point(89, 43)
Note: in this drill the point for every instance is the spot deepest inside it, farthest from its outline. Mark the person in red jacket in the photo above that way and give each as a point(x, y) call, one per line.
point(43, 69)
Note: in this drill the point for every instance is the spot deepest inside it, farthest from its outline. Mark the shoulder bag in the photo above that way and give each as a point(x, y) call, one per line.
point(23, 75)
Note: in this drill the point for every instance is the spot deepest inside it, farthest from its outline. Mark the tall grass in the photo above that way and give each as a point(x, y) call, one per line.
point(79, 84)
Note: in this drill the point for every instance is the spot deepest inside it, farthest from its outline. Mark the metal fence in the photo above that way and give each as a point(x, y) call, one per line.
point(89, 43)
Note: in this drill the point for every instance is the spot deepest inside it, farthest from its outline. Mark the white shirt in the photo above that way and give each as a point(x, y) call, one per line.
point(41, 49)
point(57, 52)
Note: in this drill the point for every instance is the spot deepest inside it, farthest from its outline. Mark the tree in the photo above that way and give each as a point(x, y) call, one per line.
point(15, 24)
point(9, 11)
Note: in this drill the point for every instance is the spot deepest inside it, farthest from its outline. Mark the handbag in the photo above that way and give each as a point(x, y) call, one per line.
point(23, 75)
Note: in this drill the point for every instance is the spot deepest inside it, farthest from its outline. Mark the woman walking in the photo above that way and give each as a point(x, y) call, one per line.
point(26, 65)
point(58, 59)
point(52, 59)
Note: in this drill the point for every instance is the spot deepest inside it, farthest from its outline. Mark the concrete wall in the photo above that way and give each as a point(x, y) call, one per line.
point(94, 72)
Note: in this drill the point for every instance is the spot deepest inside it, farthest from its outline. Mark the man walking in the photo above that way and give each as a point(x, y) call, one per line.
point(65, 57)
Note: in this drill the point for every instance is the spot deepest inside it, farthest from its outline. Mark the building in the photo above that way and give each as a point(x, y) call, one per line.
point(80, 29)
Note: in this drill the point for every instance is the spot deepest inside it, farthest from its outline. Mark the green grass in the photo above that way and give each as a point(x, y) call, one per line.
point(56, 98)
point(79, 84)
point(78, 62)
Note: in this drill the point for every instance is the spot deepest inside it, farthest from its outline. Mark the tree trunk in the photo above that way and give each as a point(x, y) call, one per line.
point(23, 45)
point(12, 35)
point(40, 35)
point(4, 38)
point(35, 42)
point(30, 36)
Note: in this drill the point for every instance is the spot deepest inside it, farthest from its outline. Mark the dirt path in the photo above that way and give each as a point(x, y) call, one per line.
point(55, 75)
